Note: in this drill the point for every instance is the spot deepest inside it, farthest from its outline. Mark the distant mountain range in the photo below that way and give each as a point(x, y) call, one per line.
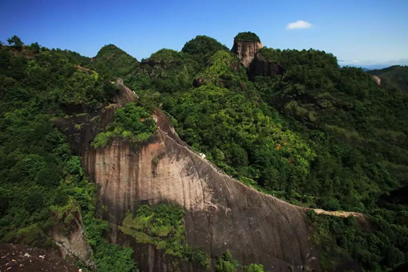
point(368, 67)
point(395, 77)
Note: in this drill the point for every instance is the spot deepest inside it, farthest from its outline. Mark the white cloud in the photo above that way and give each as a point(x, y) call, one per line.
point(300, 24)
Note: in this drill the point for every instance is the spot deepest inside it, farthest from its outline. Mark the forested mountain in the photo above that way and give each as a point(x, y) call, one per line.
point(394, 77)
point(294, 125)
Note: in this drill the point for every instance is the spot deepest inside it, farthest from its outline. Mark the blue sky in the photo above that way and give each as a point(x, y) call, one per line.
point(360, 32)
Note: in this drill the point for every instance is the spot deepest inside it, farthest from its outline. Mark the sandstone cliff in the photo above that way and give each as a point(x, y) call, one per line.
point(221, 213)
point(246, 51)
point(377, 79)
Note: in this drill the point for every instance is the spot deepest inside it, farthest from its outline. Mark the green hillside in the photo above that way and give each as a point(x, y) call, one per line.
point(394, 77)
point(319, 136)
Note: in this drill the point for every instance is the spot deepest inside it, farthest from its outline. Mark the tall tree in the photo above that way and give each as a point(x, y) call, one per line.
point(16, 42)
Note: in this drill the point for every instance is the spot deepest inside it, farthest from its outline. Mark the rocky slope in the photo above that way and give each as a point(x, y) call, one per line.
point(221, 213)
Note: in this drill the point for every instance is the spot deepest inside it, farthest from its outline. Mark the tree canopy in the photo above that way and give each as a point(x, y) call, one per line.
point(247, 37)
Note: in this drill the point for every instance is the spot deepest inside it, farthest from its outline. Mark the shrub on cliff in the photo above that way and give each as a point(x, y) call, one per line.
point(254, 268)
point(162, 226)
point(226, 263)
point(131, 123)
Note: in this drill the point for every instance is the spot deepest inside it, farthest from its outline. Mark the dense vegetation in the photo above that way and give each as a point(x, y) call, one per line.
point(40, 178)
point(131, 123)
point(113, 62)
point(163, 226)
point(247, 37)
point(394, 77)
point(345, 242)
point(226, 263)
point(203, 47)
point(318, 136)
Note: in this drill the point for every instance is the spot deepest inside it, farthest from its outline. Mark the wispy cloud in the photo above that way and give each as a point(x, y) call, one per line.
point(300, 24)
point(372, 64)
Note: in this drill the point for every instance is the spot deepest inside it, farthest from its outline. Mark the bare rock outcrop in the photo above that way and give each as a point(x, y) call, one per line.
point(71, 240)
point(246, 51)
point(377, 79)
point(221, 213)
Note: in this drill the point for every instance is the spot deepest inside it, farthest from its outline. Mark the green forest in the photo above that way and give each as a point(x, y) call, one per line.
point(318, 136)
point(394, 77)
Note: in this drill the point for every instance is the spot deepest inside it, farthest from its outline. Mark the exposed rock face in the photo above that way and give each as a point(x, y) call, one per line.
point(246, 51)
point(72, 241)
point(377, 80)
point(221, 213)
point(260, 66)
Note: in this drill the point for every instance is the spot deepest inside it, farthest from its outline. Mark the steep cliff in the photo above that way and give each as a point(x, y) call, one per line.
point(221, 213)
point(246, 44)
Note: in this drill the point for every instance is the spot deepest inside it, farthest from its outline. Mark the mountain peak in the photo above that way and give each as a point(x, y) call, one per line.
point(246, 44)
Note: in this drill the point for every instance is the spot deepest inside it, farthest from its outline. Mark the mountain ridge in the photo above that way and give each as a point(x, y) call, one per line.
point(314, 135)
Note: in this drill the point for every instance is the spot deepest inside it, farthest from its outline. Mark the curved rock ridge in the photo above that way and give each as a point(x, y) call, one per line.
point(221, 212)
point(246, 51)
